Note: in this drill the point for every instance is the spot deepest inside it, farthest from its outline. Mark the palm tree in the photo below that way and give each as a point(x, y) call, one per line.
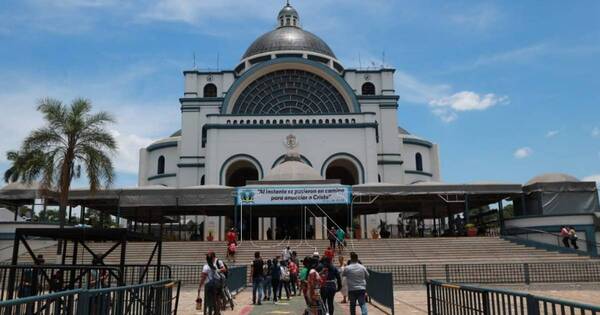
point(54, 154)
point(20, 162)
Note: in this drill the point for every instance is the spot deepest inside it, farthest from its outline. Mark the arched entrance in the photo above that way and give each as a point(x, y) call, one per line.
point(239, 172)
point(348, 170)
point(343, 169)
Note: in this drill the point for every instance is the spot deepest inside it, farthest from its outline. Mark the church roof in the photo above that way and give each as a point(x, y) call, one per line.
point(552, 178)
point(288, 37)
point(293, 169)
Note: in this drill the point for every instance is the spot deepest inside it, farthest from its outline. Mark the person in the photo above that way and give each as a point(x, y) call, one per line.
point(313, 288)
point(269, 233)
point(231, 237)
point(293, 268)
point(331, 237)
point(340, 235)
point(356, 276)
point(329, 253)
point(344, 289)
point(400, 226)
point(573, 237)
point(331, 282)
point(57, 281)
point(256, 274)
point(267, 280)
point(286, 254)
point(231, 249)
point(275, 277)
point(212, 280)
point(310, 232)
point(284, 282)
point(29, 283)
point(303, 276)
point(564, 233)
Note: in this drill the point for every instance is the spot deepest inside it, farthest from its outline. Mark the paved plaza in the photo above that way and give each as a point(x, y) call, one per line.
point(408, 300)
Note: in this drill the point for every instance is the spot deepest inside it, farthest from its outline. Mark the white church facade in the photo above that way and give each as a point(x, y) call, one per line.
point(289, 82)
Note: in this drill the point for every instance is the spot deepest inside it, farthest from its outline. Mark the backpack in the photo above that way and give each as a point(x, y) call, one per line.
point(222, 263)
point(285, 274)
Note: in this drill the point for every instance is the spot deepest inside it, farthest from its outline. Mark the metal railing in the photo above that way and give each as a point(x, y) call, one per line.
point(546, 272)
point(448, 299)
point(524, 272)
point(403, 274)
point(30, 280)
point(520, 231)
point(137, 274)
point(380, 288)
point(187, 274)
point(190, 274)
point(160, 298)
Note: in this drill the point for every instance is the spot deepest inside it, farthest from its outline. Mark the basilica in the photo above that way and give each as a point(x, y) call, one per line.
point(236, 123)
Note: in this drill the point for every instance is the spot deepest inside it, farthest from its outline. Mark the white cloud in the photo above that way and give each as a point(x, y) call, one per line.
point(447, 107)
point(592, 178)
point(480, 17)
point(414, 90)
point(439, 97)
point(523, 152)
point(129, 148)
point(195, 12)
point(552, 133)
point(516, 55)
point(467, 101)
point(81, 3)
point(445, 114)
point(595, 132)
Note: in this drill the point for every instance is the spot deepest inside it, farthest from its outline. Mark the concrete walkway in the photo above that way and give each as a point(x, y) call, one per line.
point(244, 305)
point(407, 300)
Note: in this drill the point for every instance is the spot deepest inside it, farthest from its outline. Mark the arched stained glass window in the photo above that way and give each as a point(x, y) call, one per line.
point(290, 92)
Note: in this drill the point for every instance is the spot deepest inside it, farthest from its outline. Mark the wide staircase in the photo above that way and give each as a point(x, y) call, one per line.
point(433, 252)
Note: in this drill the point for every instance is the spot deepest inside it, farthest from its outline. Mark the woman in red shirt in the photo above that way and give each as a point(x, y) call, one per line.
point(293, 276)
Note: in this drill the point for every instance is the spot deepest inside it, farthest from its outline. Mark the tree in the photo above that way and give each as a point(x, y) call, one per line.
point(54, 154)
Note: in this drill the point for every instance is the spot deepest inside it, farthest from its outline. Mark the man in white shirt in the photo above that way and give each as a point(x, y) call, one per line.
point(356, 278)
point(286, 254)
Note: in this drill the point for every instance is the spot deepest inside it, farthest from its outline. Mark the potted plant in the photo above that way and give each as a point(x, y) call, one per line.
point(471, 229)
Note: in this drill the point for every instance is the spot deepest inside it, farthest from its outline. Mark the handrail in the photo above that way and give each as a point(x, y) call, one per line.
point(35, 298)
point(133, 286)
point(558, 236)
point(531, 298)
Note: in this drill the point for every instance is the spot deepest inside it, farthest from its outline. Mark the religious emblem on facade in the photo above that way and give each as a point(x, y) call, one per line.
point(291, 142)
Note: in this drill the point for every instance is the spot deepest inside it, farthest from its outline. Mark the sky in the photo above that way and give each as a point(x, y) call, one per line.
point(508, 89)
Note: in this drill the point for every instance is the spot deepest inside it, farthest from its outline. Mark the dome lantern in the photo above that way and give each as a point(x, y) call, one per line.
point(288, 16)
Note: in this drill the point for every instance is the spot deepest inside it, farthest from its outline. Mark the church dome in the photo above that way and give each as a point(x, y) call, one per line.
point(292, 169)
point(552, 178)
point(288, 36)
